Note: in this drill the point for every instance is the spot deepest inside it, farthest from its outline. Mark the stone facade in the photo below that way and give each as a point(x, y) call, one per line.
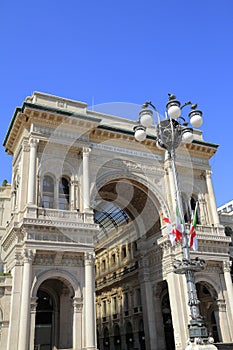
point(86, 195)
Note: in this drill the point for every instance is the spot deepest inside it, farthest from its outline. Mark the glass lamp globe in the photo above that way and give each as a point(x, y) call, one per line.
point(174, 111)
point(187, 136)
point(196, 118)
point(140, 134)
point(146, 118)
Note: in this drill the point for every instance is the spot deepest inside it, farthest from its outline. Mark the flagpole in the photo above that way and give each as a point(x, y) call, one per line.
point(186, 266)
point(185, 247)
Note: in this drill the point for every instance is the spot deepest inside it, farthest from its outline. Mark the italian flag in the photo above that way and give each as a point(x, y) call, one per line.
point(170, 231)
point(193, 243)
point(178, 228)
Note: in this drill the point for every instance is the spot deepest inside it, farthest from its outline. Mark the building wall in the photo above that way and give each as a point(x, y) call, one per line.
point(86, 192)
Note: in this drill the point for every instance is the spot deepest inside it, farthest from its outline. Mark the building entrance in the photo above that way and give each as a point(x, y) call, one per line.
point(54, 316)
point(44, 321)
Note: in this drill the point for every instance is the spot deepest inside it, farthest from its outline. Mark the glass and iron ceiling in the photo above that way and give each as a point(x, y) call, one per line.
point(109, 216)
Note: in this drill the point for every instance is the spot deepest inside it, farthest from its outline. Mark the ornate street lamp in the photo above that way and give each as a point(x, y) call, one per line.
point(170, 133)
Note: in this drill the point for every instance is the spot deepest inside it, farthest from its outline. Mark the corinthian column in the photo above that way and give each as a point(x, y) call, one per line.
point(212, 201)
point(25, 302)
point(32, 172)
point(86, 179)
point(89, 302)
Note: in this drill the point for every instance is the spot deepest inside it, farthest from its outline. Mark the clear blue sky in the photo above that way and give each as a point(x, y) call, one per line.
point(123, 51)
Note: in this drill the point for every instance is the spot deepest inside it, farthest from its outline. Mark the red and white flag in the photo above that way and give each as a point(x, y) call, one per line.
point(193, 243)
point(178, 226)
point(170, 230)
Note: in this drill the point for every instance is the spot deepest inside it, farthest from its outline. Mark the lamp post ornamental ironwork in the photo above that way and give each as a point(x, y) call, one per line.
point(170, 133)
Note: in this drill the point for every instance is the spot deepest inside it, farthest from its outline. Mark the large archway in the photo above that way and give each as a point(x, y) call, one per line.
point(128, 212)
point(54, 315)
point(124, 200)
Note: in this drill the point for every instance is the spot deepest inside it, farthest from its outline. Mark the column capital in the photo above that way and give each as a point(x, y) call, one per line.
point(77, 304)
point(220, 305)
point(208, 172)
point(33, 142)
point(27, 255)
point(18, 258)
point(25, 146)
point(86, 150)
point(89, 258)
point(227, 265)
point(74, 182)
point(33, 304)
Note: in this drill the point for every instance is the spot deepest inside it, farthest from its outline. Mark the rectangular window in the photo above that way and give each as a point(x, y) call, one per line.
point(124, 252)
point(138, 297)
point(103, 265)
point(113, 259)
point(104, 308)
point(126, 302)
point(115, 306)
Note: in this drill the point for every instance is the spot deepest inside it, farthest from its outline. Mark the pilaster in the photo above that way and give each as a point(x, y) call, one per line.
point(229, 296)
point(177, 299)
point(212, 201)
point(90, 327)
point(33, 322)
point(86, 179)
point(151, 336)
point(77, 323)
point(25, 301)
point(13, 332)
point(32, 171)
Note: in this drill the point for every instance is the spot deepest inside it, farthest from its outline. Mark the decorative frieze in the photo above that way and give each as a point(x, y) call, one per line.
point(45, 259)
point(60, 133)
point(58, 259)
point(213, 268)
point(130, 152)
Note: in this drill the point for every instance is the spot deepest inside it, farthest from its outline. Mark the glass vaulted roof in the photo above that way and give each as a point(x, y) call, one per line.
point(109, 216)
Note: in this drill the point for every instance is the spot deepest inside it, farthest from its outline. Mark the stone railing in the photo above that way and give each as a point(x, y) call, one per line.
point(59, 214)
point(204, 232)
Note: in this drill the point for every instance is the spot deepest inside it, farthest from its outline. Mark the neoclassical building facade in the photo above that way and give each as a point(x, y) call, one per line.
point(86, 258)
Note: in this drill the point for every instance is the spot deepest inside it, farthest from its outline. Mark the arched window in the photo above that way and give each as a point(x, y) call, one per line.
point(64, 194)
point(106, 341)
point(129, 336)
point(117, 337)
point(48, 192)
point(189, 208)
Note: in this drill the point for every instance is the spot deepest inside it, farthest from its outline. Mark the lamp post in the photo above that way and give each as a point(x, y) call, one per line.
point(170, 133)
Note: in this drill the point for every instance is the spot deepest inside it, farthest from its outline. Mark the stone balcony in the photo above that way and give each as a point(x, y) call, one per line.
point(39, 227)
point(211, 241)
